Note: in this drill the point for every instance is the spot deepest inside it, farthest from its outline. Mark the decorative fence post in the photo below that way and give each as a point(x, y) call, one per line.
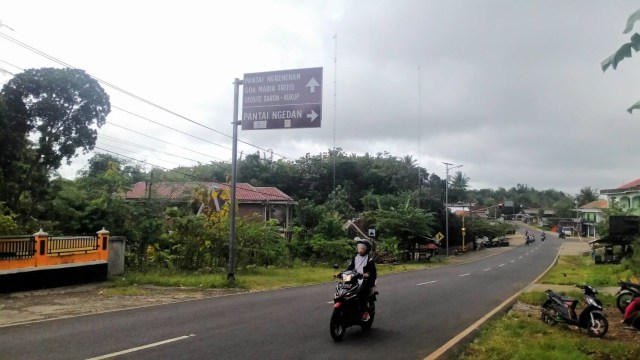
point(41, 239)
point(103, 244)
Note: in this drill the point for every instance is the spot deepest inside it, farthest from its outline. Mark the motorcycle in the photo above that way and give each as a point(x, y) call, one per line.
point(561, 309)
point(562, 235)
point(628, 291)
point(346, 306)
point(542, 237)
point(530, 240)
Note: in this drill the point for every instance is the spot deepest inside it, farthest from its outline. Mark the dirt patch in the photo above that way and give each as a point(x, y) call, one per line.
point(28, 306)
point(617, 330)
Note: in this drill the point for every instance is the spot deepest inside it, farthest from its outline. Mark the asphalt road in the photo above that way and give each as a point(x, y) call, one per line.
point(417, 312)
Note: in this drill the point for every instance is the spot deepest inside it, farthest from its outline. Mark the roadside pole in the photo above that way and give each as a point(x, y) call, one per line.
point(234, 172)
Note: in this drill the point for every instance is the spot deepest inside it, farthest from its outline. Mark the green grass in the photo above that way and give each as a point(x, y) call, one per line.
point(520, 336)
point(580, 269)
point(250, 278)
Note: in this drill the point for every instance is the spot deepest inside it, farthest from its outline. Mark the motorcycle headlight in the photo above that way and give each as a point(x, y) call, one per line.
point(347, 277)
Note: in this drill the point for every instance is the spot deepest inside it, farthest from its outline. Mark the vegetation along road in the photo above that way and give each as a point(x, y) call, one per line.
point(418, 312)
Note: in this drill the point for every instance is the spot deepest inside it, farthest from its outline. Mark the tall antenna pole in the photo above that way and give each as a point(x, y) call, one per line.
point(419, 132)
point(335, 107)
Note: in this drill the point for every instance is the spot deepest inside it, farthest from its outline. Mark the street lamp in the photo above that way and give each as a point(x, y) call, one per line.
point(446, 201)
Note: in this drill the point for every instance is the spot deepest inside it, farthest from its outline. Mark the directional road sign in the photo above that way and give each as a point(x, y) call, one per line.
point(282, 99)
point(439, 236)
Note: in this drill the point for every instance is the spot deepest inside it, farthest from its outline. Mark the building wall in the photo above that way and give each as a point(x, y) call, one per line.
point(247, 210)
point(626, 200)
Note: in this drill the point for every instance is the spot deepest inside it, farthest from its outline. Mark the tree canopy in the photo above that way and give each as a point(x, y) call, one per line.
point(625, 51)
point(46, 116)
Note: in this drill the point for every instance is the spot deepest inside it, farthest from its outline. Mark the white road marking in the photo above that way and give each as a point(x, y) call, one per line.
point(330, 302)
point(464, 274)
point(487, 269)
point(501, 265)
point(512, 261)
point(428, 282)
point(519, 257)
point(141, 347)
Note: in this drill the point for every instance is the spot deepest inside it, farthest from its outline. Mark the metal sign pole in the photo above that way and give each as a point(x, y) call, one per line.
point(234, 172)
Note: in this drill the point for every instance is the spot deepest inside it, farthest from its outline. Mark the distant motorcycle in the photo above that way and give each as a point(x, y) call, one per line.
point(345, 309)
point(628, 291)
point(561, 309)
point(529, 240)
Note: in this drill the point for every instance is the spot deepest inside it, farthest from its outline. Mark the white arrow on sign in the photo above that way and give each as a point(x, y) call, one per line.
point(312, 85)
point(312, 116)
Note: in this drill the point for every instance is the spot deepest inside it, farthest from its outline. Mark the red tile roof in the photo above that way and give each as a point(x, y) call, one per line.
point(635, 183)
point(181, 191)
point(598, 204)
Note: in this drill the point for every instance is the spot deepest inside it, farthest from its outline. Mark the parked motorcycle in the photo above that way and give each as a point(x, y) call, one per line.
point(628, 291)
point(345, 309)
point(561, 309)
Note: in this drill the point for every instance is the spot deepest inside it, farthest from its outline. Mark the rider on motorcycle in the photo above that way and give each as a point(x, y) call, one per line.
point(364, 264)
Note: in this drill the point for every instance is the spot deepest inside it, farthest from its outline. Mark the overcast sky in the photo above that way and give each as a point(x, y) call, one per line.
point(510, 89)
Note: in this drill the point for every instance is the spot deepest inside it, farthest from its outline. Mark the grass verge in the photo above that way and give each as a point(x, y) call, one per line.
point(580, 269)
point(250, 278)
point(520, 336)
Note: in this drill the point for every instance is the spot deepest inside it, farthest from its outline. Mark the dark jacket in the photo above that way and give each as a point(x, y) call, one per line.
point(369, 267)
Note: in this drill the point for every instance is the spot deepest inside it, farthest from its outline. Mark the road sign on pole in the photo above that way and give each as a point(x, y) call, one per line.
point(282, 99)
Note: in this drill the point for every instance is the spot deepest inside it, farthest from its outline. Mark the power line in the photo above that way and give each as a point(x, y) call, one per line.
point(163, 141)
point(123, 149)
point(168, 127)
point(146, 148)
point(155, 122)
point(41, 53)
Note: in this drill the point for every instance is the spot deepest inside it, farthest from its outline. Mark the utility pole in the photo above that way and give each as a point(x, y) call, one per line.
point(234, 175)
point(446, 201)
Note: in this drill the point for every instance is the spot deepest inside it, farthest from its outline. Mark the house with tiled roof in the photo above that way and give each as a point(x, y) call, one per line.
point(267, 202)
point(589, 215)
point(626, 195)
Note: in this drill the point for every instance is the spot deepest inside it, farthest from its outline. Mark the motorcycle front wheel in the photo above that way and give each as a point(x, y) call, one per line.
point(599, 326)
point(336, 325)
point(623, 300)
point(366, 325)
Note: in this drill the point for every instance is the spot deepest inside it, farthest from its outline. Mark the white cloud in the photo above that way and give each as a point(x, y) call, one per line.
point(512, 90)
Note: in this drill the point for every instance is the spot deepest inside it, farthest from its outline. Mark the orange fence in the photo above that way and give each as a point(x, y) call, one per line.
point(41, 250)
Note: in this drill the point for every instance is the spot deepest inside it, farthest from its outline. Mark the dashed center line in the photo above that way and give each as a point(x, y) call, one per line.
point(519, 257)
point(512, 261)
point(428, 282)
point(141, 347)
point(501, 265)
point(487, 269)
point(464, 274)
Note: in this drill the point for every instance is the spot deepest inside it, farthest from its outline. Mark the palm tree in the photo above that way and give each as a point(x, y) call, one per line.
point(587, 195)
point(459, 181)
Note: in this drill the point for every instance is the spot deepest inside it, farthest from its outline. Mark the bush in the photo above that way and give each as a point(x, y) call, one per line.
point(333, 251)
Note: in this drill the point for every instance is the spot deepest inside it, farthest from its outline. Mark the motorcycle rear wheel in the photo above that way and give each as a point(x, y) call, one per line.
point(336, 325)
point(623, 300)
point(548, 315)
point(599, 326)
